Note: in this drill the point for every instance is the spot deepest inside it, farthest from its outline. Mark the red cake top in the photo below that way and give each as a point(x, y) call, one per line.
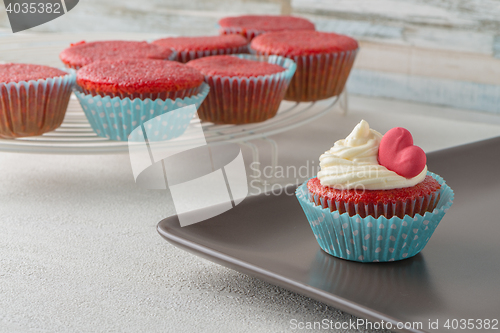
point(202, 43)
point(422, 189)
point(266, 23)
point(226, 65)
point(304, 42)
point(82, 53)
point(25, 72)
point(138, 76)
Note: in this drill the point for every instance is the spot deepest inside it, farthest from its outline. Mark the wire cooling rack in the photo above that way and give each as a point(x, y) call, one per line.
point(75, 136)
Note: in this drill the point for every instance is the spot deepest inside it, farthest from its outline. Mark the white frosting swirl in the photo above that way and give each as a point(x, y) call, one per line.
point(353, 163)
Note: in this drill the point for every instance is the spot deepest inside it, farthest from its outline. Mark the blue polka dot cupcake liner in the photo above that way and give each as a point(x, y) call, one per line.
point(371, 239)
point(115, 118)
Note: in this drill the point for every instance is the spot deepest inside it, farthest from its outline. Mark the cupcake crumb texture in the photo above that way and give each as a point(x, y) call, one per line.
point(230, 66)
point(24, 72)
point(138, 76)
point(266, 23)
point(82, 53)
point(304, 42)
point(204, 43)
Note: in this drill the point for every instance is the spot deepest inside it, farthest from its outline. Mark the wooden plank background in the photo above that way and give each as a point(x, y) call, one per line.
point(436, 51)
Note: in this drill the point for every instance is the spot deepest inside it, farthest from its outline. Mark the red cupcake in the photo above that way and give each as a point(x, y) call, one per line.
point(417, 199)
point(243, 89)
point(82, 53)
point(189, 48)
point(373, 199)
point(33, 99)
point(324, 61)
point(251, 26)
point(120, 96)
point(353, 180)
point(135, 78)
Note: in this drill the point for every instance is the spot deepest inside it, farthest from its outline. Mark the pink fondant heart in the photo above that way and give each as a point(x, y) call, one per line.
point(397, 153)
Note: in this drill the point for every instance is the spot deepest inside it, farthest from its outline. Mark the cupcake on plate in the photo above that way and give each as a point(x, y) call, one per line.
point(251, 26)
point(33, 99)
point(189, 48)
point(82, 53)
point(373, 199)
point(243, 88)
point(324, 61)
point(118, 96)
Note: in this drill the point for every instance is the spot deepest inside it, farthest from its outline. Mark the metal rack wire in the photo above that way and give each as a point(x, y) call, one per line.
point(75, 136)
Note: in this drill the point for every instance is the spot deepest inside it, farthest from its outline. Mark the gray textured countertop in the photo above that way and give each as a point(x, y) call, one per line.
point(79, 251)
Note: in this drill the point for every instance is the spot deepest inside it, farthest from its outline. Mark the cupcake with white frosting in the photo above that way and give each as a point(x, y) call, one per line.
point(373, 199)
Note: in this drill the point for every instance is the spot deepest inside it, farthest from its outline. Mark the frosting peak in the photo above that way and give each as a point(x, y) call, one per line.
point(359, 135)
point(353, 163)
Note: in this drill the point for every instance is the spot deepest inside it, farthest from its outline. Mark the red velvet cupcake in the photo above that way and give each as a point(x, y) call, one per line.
point(189, 48)
point(251, 26)
point(399, 202)
point(243, 89)
point(134, 78)
point(33, 99)
point(82, 53)
point(120, 96)
point(373, 199)
point(368, 174)
point(324, 61)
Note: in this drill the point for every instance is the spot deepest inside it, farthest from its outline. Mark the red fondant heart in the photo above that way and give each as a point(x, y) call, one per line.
point(397, 153)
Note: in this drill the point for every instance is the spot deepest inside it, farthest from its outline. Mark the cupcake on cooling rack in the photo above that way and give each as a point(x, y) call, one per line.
point(33, 99)
point(189, 48)
point(374, 199)
point(118, 96)
point(251, 26)
point(82, 53)
point(324, 61)
point(243, 88)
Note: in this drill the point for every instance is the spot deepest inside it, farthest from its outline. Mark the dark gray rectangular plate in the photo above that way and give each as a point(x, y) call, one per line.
point(456, 276)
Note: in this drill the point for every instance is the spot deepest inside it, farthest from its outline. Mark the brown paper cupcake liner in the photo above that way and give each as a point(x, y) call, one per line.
point(30, 108)
point(319, 76)
point(234, 100)
point(185, 56)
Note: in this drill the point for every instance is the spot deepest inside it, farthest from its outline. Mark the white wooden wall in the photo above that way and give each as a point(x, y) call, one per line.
point(436, 51)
